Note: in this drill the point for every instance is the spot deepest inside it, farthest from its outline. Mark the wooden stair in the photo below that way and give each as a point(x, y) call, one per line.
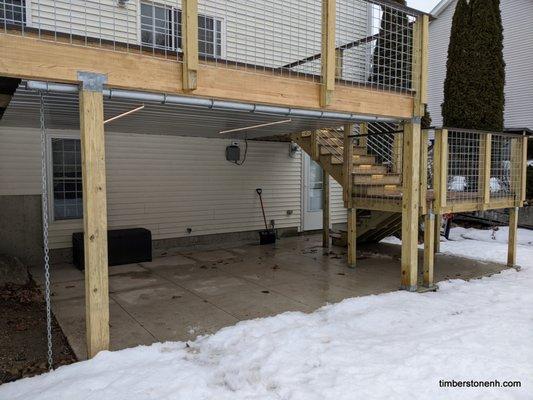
point(371, 180)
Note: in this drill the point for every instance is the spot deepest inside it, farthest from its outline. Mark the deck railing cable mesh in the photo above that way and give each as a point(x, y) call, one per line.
point(373, 37)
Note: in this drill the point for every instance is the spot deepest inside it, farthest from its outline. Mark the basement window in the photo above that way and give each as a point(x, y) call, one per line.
point(12, 12)
point(66, 180)
point(161, 29)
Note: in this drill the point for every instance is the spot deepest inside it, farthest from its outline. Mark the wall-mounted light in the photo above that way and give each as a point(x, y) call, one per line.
point(122, 3)
point(293, 149)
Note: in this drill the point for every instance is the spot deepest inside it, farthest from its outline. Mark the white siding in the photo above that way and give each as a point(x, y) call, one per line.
point(258, 32)
point(168, 184)
point(518, 53)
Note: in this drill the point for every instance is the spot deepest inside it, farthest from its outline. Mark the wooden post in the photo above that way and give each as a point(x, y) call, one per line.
point(397, 150)
point(438, 223)
point(325, 211)
point(347, 165)
point(485, 155)
point(410, 205)
point(424, 137)
point(315, 146)
point(351, 238)
point(190, 44)
point(363, 130)
point(523, 172)
point(94, 212)
point(328, 52)
point(440, 169)
point(429, 248)
point(339, 63)
point(513, 227)
point(420, 63)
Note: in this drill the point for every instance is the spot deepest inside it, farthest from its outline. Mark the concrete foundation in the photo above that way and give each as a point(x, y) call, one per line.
point(198, 290)
point(21, 228)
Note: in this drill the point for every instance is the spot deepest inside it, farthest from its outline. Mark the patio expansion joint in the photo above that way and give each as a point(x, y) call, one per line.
point(132, 317)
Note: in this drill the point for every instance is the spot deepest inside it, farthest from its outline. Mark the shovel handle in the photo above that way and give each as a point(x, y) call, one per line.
point(259, 191)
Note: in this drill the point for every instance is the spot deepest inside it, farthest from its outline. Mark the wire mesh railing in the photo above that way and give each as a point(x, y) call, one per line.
point(479, 167)
point(373, 38)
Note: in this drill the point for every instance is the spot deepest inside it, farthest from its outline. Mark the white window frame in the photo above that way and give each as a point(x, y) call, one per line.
point(50, 174)
point(174, 34)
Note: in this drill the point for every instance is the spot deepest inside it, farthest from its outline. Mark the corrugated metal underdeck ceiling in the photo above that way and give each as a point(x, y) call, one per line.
point(61, 112)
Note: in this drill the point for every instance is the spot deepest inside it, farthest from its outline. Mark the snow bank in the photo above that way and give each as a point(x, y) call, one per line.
point(392, 346)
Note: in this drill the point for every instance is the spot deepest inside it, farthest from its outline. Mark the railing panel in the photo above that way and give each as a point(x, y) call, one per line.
point(484, 170)
point(506, 165)
point(373, 38)
point(374, 41)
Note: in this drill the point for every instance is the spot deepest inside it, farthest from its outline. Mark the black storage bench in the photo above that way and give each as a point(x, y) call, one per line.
point(124, 246)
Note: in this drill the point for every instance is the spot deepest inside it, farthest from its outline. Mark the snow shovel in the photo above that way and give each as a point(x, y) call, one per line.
point(267, 236)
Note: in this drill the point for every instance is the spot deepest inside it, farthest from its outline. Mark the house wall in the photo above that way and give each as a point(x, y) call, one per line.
point(518, 54)
point(169, 183)
point(258, 32)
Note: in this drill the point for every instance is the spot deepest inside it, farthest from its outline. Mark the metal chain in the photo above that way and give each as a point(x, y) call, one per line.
point(44, 190)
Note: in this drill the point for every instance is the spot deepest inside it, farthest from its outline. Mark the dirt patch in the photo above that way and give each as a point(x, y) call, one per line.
point(23, 345)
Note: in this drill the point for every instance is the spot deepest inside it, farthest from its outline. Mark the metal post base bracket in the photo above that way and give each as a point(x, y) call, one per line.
point(92, 81)
point(425, 289)
point(409, 288)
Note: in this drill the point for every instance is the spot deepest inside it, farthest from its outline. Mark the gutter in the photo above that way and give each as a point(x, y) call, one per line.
point(210, 104)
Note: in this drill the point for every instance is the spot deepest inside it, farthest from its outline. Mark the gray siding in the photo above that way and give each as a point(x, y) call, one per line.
point(517, 17)
point(168, 184)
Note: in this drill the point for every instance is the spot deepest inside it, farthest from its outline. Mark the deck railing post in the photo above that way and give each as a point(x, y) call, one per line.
point(410, 204)
point(440, 169)
point(485, 164)
point(190, 44)
point(329, 55)
point(91, 107)
point(420, 63)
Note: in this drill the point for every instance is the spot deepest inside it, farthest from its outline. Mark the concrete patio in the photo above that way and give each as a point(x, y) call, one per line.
point(186, 292)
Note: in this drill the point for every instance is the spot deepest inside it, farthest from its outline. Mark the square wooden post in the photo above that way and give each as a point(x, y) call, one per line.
point(325, 211)
point(351, 237)
point(190, 44)
point(513, 228)
point(329, 55)
point(94, 211)
point(410, 205)
point(436, 230)
point(429, 250)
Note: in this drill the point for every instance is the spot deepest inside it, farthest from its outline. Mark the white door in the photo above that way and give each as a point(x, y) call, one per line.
point(312, 195)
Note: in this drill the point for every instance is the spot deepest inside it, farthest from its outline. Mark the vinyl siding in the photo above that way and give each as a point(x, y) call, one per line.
point(258, 32)
point(169, 183)
point(518, 53)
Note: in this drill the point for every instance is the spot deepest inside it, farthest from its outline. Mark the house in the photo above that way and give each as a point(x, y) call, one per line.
point(175, 83)
point(517, 52)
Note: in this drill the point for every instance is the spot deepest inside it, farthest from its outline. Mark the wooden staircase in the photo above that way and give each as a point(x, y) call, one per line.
point(370, 181)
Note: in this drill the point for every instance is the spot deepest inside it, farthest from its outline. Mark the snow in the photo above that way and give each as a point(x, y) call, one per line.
point(391, 346)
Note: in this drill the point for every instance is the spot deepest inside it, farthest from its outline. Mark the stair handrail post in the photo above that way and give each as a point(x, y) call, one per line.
point(348, 166)
point(485, 164)
point(424, 165)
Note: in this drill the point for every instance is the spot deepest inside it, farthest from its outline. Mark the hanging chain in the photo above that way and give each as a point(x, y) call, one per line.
point(44, 190)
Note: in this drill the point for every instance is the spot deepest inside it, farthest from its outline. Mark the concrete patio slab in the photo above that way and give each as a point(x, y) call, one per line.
point(198, 290)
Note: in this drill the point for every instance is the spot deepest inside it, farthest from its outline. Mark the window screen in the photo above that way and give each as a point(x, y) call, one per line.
point(67, 182)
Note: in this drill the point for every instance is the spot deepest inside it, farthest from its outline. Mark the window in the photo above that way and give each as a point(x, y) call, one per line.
point(67, 182)
point(12, 12)
point(161, 29)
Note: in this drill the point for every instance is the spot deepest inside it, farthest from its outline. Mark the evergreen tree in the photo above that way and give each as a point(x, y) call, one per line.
point(475, 77)
point(392, 56)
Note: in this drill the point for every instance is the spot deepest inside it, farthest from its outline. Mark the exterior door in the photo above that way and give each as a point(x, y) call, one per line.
point(312, 194)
